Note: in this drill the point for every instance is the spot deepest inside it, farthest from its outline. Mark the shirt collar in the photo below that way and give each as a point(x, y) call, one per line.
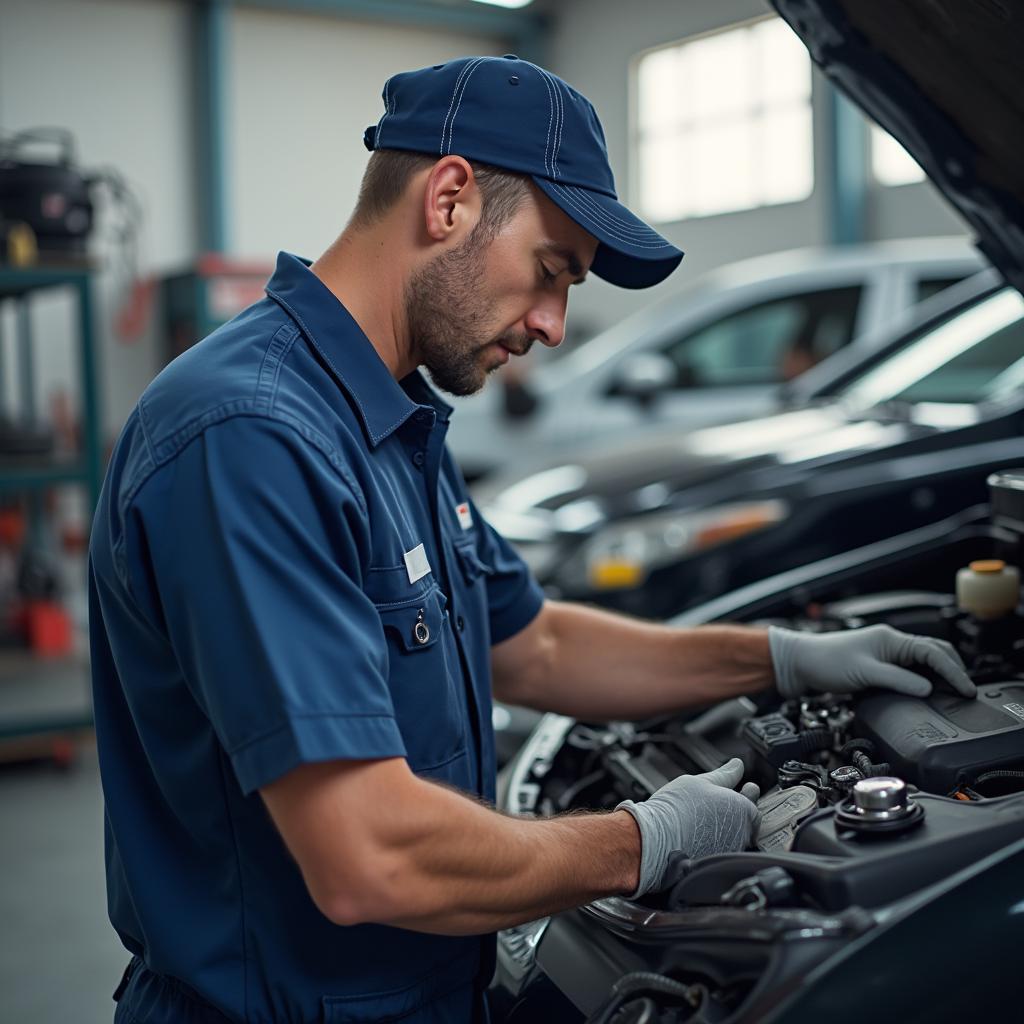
point(384, 404)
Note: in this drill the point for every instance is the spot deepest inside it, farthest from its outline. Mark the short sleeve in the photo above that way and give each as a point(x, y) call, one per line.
point(513, 596)
point(251, 537)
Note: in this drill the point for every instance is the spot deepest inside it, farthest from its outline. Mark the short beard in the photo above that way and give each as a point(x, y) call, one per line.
point(447, 313)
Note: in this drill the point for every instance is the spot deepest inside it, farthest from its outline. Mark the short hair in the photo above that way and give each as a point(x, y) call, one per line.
point(389, 172)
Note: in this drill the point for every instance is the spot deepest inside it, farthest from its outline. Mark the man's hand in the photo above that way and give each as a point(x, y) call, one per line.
point(696, 814)
point(857, 659)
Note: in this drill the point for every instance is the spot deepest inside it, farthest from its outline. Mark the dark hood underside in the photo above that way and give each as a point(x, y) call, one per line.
point(945, 78)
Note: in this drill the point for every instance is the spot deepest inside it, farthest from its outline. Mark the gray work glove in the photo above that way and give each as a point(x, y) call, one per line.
point(856, 659)
point(696, 814)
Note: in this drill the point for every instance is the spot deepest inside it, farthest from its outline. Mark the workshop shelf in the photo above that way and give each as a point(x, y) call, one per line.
point(44, 697)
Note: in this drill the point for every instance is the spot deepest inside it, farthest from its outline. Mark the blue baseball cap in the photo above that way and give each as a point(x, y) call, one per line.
point(515, 115)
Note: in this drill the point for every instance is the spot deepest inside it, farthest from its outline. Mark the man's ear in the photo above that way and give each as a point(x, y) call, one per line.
point(451, 199)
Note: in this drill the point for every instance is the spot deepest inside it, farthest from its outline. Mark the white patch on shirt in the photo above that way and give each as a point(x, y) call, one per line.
point(416, 564)
point(465, 516)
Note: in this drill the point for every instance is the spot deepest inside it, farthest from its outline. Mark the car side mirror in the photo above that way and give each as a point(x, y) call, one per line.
point(644, 376)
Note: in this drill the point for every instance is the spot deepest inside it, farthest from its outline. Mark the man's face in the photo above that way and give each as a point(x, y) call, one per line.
point(473, 307)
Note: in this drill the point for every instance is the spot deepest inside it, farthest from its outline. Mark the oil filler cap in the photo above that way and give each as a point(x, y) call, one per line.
point(878, 806)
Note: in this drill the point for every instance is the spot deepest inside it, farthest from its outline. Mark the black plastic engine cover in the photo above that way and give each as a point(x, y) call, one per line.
point(938, 743)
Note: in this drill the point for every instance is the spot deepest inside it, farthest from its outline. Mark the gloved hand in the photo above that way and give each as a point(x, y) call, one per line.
point(696, 814)
point(857, 659)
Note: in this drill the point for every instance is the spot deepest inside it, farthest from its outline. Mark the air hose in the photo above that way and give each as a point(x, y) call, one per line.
point(643, 983)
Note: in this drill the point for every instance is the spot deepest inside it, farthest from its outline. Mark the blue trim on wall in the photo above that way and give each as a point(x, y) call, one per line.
point(524, 31)
point(848, 153)
point(212, 31)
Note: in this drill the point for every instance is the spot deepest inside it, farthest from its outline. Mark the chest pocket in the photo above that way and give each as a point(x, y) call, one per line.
point(423, 669)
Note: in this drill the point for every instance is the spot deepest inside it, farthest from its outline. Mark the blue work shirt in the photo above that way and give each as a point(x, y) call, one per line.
point(284, 568)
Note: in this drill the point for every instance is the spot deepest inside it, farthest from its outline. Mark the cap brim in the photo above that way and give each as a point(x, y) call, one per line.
point(631, 254)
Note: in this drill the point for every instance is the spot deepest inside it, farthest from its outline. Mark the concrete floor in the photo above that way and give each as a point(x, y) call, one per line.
point(59, 958)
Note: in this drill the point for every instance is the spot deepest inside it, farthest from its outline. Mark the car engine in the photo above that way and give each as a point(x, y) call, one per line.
point(867, 801)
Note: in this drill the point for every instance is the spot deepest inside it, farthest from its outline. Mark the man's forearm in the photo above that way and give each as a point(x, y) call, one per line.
point(601, 665)
point(428, 858)
point(468, 869)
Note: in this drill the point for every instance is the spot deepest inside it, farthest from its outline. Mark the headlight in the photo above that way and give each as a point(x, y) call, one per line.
point(622, 556)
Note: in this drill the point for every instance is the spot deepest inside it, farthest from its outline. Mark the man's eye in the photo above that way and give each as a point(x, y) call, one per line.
point(546, 274)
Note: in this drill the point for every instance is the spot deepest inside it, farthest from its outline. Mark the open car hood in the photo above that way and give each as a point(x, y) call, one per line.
point(944, 78)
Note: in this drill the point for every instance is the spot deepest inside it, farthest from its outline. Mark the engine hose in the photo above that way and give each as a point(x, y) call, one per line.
point(814, 740)
point(863, 764)
point(866, 746)
point(640, 1011)
point(564, 802)
point(641, 982)
point(1001, 773)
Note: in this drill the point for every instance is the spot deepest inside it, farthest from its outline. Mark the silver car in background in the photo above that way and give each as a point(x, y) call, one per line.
point(713, 353)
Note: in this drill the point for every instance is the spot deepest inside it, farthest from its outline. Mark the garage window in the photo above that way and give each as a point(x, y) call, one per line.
point(891, 164)
point(723, 123)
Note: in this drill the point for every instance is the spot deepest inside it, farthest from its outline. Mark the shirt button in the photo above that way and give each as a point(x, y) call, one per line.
point(460, 622)
point(418, 458)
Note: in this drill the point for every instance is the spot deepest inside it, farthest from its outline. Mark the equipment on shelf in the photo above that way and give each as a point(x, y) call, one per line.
point(48, 205)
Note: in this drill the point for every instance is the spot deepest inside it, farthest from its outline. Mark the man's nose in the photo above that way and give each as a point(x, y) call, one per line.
point(546, 325)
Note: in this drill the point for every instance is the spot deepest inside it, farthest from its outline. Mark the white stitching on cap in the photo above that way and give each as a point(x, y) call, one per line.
point(463, 77)
point(550, 144)
point(588, 202)
point(551, 117)
point(614, 234)
point(557, 147)
point(597, 216)
point(465, 84)
point(444, 126)
point(458, 82)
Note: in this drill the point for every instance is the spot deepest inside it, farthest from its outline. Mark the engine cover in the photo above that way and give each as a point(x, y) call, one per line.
point(943, 741)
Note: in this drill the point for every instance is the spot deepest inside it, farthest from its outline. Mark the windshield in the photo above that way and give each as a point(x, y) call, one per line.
point(975, 356)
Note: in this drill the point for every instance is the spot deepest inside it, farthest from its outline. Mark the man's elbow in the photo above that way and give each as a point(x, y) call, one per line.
point(348, 909)
point(370, 894)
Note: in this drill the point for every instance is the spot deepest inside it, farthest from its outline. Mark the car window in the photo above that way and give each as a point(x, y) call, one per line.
point(974, 356)
point(767, 343)
point(929, 286)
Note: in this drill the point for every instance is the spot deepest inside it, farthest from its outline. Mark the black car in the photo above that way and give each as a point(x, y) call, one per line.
point(892, 441)
point(886, 880)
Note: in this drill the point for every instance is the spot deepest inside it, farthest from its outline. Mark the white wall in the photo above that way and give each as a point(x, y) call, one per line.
point(115, 72)
point(592, 48)
point(119, 74)
point(302, 88)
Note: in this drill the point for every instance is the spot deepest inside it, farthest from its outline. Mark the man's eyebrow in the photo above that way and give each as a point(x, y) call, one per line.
point(572, 260)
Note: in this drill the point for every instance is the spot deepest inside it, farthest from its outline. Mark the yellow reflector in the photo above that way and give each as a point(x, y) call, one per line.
point(614, 573)
point(743, 522)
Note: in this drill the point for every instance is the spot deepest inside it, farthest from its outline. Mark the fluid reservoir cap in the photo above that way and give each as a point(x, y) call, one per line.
point(880, 796)
point(880, 806)
point(987, 565)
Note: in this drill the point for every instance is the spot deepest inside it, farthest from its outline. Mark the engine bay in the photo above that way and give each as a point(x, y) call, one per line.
point(867, 801)
point(952, 754)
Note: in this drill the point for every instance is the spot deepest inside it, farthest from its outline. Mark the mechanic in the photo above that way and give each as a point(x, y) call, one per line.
point(298, 617)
